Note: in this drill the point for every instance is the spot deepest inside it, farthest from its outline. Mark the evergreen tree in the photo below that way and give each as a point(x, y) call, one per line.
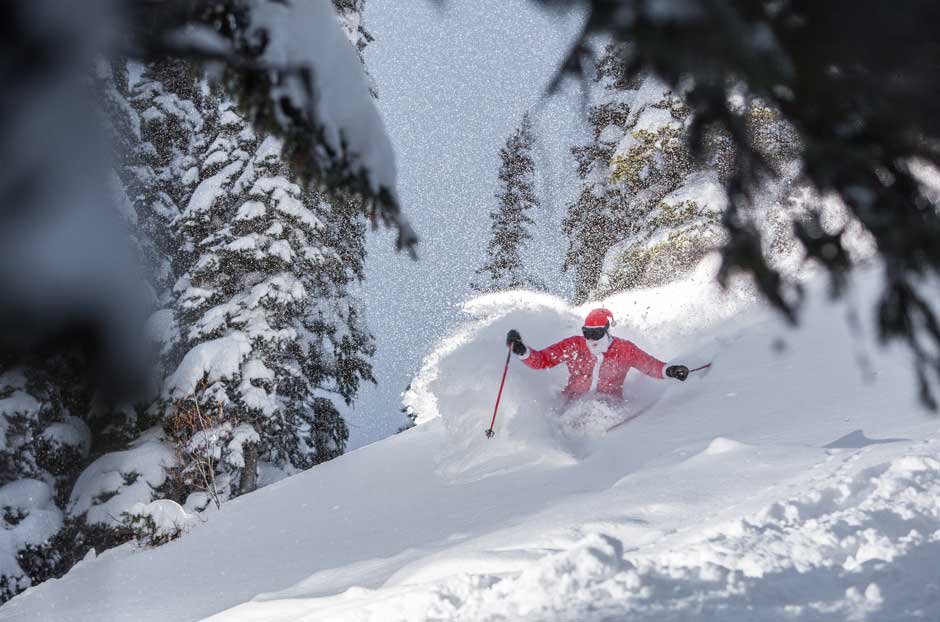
point(640, 218)
point(270, 330)
point(42, 448)
point(177, 112)
point(648, 211)
point(504, 267)
point(308, 342)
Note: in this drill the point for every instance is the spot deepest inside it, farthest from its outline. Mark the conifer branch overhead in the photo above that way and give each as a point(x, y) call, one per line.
point(857, 83)
point(276, 67)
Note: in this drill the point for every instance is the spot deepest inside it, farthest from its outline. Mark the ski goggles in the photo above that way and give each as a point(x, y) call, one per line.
point(593, 332)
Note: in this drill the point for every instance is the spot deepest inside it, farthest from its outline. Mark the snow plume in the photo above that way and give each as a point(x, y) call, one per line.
point(459, 380)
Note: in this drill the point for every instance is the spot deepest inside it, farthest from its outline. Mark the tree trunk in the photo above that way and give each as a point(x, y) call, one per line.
point(249, 479)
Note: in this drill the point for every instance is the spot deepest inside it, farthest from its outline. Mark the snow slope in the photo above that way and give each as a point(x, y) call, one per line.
point(790, 483)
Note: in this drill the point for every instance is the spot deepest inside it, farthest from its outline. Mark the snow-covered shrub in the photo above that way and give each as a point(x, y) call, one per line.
point(157, 522)
point(30, 520)
point(113, 483)
point(210, 444)
point(38, 436)
point(42, 446)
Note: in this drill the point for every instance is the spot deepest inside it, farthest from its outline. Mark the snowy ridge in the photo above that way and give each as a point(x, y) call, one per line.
point(857, 547)
point(784, 485)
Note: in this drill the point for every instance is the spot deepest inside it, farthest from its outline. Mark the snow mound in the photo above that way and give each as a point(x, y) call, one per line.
point(722, 446)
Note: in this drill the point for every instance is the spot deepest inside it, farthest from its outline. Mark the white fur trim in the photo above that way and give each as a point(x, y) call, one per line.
point(596, 373)
point(528, 353)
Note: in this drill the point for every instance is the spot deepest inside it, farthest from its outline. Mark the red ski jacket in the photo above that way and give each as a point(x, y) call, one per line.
point(586, 372)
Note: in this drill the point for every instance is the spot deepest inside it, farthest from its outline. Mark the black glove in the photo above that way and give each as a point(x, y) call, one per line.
point(514, 339)
point(679, 372)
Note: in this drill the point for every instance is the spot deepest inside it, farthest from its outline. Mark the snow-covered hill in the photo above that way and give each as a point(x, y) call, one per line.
point(797, 480)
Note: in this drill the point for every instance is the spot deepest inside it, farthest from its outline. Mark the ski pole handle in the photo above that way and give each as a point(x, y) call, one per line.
point(489, 433)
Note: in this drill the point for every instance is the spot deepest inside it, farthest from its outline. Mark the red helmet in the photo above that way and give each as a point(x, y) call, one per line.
point(599, 318)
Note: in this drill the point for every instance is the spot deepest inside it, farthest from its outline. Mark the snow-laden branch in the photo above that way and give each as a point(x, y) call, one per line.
point(294, 70)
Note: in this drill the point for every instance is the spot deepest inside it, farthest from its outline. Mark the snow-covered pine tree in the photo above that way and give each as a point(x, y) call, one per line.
point(176, 111)
point(595, 218)
point(646, 212)
point(47, 418)
point(42, 446)
point(66, 481)
point(271, 333)
point(350, 14)
point(510, 219)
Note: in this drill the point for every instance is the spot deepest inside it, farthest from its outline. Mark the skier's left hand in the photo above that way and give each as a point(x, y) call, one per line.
point(514, 340)
point(679, 372)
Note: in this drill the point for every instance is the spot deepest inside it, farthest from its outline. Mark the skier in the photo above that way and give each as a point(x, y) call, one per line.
point(597, 361)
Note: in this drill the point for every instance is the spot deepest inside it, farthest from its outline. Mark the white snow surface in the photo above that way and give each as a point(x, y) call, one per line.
point(789, 483)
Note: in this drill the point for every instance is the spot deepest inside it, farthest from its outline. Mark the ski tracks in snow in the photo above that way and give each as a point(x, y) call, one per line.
point(854, 544)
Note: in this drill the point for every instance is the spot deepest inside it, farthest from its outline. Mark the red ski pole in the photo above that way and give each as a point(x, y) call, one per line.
point(489, 433)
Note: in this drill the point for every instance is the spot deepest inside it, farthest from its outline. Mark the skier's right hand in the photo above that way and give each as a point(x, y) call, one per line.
point(514, 339)
point(679, 372)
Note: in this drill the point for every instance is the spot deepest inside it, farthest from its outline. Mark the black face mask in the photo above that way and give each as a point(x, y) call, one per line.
point(593, 333)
